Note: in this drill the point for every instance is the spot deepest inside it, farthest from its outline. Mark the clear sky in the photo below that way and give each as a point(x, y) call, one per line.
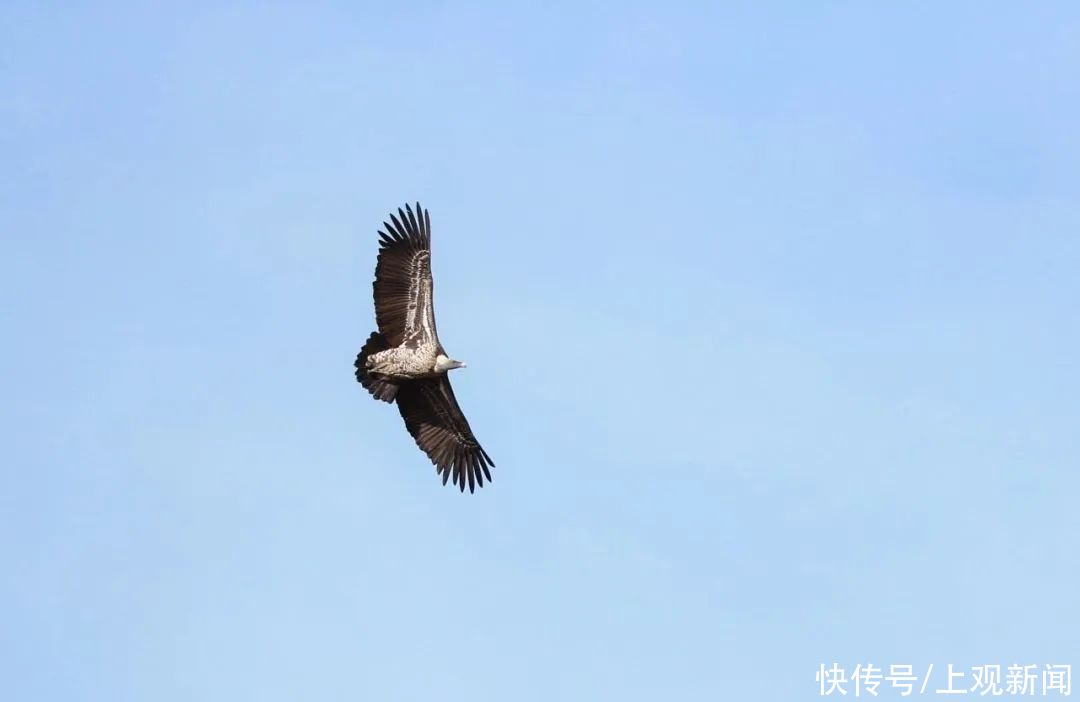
point(769, 309)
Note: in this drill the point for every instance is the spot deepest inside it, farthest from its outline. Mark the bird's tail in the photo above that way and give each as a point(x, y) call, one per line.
point(381, 389)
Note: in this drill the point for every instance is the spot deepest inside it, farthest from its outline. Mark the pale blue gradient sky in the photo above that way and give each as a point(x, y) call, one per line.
point(770, 314)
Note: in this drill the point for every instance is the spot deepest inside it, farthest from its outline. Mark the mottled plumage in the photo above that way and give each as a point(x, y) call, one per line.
point(404, 362)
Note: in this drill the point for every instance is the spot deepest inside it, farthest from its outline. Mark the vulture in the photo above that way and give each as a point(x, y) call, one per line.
point(404, 362)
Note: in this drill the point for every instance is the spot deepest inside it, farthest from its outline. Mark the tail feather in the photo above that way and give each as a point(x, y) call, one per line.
point(384, 390)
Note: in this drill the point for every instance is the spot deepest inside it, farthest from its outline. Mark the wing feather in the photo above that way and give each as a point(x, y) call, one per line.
point(436, 422)
point(403, 287)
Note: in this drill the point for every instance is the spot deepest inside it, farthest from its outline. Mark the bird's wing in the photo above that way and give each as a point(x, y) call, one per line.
point(403, 287)
point(432, 416)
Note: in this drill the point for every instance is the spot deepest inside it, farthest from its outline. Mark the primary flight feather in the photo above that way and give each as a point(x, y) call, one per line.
point(404, 362)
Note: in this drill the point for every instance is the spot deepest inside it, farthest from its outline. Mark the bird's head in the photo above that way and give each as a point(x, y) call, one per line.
point(444, 363)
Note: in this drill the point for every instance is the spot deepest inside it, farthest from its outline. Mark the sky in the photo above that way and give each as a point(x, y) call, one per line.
point(769, 310)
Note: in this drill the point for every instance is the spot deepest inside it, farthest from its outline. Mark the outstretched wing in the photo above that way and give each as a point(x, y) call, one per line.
point(403, 288)
point(432, 416)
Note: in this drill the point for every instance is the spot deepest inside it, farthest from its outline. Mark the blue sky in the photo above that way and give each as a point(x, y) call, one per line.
point(769, 311)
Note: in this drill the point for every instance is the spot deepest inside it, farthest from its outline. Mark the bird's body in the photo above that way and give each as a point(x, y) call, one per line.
point(404, 361)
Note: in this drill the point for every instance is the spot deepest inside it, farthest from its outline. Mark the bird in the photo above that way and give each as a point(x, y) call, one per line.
point(404, 362)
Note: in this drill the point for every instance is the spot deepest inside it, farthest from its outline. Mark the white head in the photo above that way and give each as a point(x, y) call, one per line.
point(444, 363)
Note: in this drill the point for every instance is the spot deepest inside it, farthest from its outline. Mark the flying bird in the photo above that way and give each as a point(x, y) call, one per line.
point(404, 362)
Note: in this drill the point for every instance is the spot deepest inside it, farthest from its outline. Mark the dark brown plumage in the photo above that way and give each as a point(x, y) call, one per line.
point(432, 416)
point(404, 312)
point(403, 276)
